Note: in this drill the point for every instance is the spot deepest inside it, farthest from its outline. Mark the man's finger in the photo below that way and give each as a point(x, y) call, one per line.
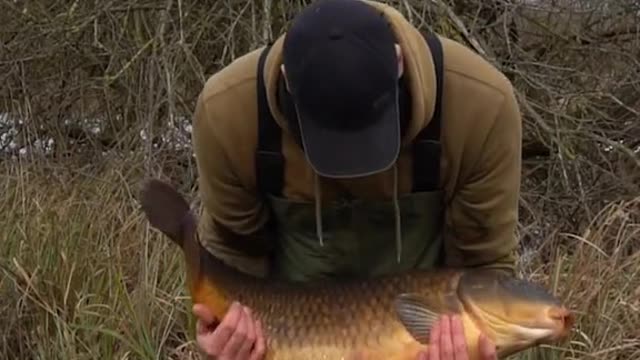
point(434, 341)
point(250, 338)
point(203, 314)
point(260, 347)
point(225, 330)
point(487, 349)
point(204, 319)
point(238, 337)
point(201, 327)
point(459, 342)
point(446, 346)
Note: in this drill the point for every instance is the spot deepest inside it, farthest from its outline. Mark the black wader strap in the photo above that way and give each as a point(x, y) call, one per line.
point(269, 163)
point(427, 147)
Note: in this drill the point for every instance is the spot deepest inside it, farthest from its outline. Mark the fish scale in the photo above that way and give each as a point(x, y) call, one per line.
point(387, 317)
point(329, 319)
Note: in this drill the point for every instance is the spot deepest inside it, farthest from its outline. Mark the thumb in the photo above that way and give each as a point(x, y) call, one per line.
point(203, 314)
point(423, 355)
point(487, 348)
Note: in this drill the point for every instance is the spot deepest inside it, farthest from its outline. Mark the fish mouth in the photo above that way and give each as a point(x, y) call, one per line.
point(555, 328)
point(554, 325)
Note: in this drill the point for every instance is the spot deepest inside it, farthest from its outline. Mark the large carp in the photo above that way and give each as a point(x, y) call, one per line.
point(387, 317)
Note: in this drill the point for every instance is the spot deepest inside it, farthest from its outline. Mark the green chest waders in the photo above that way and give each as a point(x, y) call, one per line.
point(359, 236)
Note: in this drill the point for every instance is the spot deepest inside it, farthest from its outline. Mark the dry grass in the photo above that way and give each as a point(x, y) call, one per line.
point(83, 277)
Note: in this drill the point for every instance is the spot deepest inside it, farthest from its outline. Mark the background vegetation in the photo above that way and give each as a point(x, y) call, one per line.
point(97, 95)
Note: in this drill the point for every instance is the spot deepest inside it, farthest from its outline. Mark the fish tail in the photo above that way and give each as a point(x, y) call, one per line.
point(169, 212)
point(166, 210)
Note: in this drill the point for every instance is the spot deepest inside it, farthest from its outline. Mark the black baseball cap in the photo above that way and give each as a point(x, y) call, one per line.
point(342, 70)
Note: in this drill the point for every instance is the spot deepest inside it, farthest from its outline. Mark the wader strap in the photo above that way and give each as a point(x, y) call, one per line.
point(427, 147)
point(269, 159)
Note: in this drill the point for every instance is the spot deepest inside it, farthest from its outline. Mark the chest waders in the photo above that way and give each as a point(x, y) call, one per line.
point(354, 237)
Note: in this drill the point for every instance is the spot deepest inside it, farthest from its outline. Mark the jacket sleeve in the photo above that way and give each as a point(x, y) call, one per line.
point(482, 217)
point(233, 221)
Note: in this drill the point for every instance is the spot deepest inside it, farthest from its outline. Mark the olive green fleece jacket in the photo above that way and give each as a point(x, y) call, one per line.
point(481, 154)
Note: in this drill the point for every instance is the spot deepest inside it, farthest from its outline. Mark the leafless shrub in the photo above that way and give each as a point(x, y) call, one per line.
point(100, 73)
point(114, 79)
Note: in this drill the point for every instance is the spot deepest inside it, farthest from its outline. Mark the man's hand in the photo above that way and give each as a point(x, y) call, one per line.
point(238, 336)
point(447, 342)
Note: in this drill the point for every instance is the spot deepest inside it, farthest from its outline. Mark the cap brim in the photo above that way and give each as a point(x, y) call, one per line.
point(352, 153)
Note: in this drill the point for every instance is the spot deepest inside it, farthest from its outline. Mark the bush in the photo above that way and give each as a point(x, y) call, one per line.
point(97, 95)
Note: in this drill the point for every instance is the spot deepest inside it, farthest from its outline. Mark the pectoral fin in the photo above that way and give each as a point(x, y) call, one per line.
point(418, 314)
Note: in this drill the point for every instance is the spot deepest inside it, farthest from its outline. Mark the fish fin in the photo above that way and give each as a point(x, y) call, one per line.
point(167, 210)
point(418, 315)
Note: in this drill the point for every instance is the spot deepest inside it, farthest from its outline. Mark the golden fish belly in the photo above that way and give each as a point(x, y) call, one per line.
point(335, 321)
